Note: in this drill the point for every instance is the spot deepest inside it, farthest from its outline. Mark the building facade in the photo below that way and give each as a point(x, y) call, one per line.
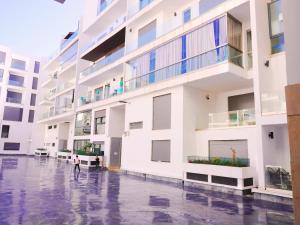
point(19, 83)
point(175, 89)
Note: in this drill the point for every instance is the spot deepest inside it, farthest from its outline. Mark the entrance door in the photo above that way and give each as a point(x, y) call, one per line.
point(115, 152)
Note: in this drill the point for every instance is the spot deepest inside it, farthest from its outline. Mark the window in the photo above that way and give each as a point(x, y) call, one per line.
point(11, 146)
point(13, 114)
point(186, 15)
point(5, 131)
point(206, 5)
point(1, 74)
point(161, 151)
point(33, 100)
point(34, 83)
point(276, 26)
point(14, 97)
point(18, 64)
point(106, 91)
point(36, 67)
point(83, 124)
point(79, 144)
point(136, 125)
point(100, 121)
point(162, 112)
point(2, 58)
point(16, 80)
point(147, 34)
point(31, 116)
point(99, 148)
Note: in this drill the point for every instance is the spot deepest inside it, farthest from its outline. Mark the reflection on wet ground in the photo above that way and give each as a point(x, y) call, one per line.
point(45, 191)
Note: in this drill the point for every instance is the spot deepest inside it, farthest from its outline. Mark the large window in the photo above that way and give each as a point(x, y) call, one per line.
point(5, 131)
point(13, 114)
point(35, 83)
point(162, 112)
point(33, 100)
point(161, 151)
point(36, 67)
point(16, 80)
point(18, 64)
point(100, 121)
point(79, 144)
point(2, 58)
point(147, 34)
point(14, 97)
point(31, 116)
point(83, 124)
point(276, 26)
point(10, 146)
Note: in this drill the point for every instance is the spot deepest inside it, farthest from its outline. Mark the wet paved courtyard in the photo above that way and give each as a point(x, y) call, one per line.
point(44, 191)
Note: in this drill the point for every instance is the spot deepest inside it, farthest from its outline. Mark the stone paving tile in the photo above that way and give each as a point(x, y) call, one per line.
point(44, 191)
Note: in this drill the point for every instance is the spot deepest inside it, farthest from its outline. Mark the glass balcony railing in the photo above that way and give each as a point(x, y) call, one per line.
point(218, 55)
point(63, 87)
point(103, 62)
point(116, 24)
point(273, 103)
point(58, 111)
point(278, 178)
point(245, 117)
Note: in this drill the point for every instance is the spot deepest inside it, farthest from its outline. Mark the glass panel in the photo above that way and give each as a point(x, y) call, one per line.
point(18, 64)
point(16, 80)
point(36, 67)
point(277, 44)
point(33, 100)
point(206, 5)
point(31, 116)
point(249, 50)
point(278, 178)
point(35, 83)
point(5, 131)
point(83, 124)
point(187, 15)
point(276, 19)
point(1, 74)
point(11, 146)
point(14, 97)
point(13, 114)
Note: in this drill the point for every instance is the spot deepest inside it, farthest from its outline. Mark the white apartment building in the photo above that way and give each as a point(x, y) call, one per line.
point(163, 87)
point(19, 82)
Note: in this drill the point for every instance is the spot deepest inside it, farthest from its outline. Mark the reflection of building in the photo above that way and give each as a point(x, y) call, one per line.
point(19, 81)
point(161, 84)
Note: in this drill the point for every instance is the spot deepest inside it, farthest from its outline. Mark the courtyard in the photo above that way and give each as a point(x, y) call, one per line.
point(47, 191)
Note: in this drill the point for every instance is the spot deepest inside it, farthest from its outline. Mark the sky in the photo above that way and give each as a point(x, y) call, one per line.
point(35, 27)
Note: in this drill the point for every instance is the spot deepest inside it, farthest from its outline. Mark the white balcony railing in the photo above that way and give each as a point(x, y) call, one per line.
point(245, 117)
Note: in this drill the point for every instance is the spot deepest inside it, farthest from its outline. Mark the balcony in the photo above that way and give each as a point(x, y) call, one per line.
point(103, 62)
point(88, 100)
point(58, 111)
point(64, 87)
point(239, 118)
point(68, 39)
point(212, 57)
point(114, 26)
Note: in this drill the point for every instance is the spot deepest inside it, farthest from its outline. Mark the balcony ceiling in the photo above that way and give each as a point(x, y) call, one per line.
point(106, 46)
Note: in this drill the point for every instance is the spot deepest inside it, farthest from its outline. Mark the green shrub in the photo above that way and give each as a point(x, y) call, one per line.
point(221, 162)
point(87, 153)
point(65, 150)
point(41, 149)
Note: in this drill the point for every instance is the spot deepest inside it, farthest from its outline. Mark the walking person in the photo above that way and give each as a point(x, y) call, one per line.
point(77, 162)
point(97, 161)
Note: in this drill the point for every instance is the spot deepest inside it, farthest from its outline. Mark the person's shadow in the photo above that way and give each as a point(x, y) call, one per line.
point(76, 175)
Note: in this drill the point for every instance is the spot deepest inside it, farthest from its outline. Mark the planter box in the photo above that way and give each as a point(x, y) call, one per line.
point(86, 161)
point(240, 178)
point(66, 156)
point(41, 153)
